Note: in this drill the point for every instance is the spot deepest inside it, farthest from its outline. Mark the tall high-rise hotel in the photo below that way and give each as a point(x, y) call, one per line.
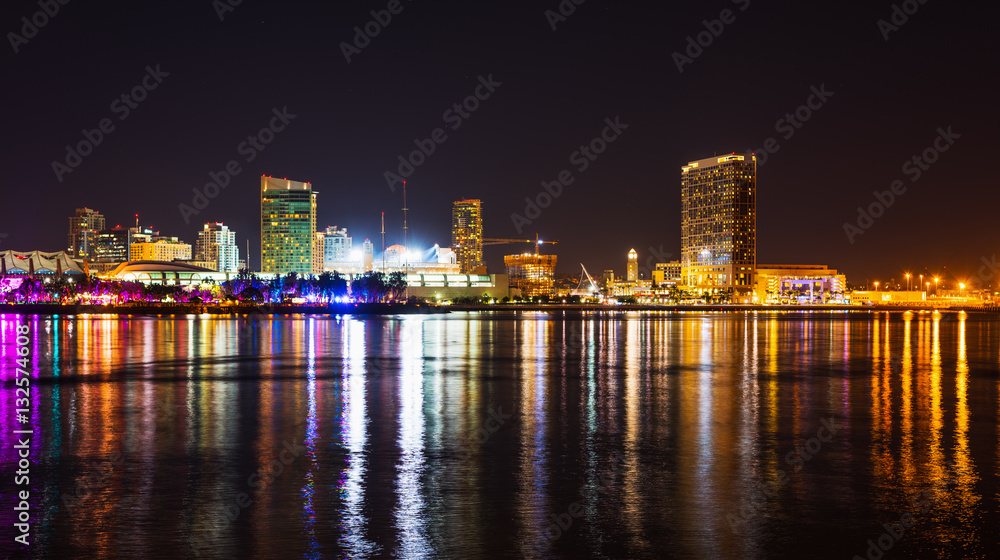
point(467, 235)
point(83, 230)
point(719, 224)
point(287, 226)
point(217, 244)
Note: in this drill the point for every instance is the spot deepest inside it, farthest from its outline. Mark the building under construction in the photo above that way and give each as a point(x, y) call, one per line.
point(534, 274)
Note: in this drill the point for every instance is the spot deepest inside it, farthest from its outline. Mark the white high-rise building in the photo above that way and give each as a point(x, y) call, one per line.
point(218, 245)
point(337, 248)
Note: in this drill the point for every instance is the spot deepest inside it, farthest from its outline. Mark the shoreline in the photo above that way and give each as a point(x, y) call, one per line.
point(232, 310)
point(716, 308)
point(422, 309)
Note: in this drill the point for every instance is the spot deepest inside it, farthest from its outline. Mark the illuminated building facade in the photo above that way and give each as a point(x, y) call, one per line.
point(83, 229)
point(20, 263)
point(467, 234)
point(609, 278)
point(113, 245)
point(632, 266)
point(337, 248)
point(319, 252)
point(799, 283)
point(667, 273)
point(164, 250)
point(216, 244)
point(533, 274)
point(287, 226)
point(719, 224)
point(368, 255)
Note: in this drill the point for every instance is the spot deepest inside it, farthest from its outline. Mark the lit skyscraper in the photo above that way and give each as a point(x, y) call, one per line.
point(319, 252)
point(467, 234)
point(217, 244)
point(287, 226)
point(114, 245)
point(368, 255)
point(337, 247)
point(632, 267)
point(719, 224)
point(83, 228)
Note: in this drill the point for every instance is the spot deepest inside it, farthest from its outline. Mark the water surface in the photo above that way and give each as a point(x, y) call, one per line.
point(494, 435)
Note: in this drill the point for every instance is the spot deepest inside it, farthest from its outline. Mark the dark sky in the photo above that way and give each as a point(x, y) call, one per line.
point(606, 59)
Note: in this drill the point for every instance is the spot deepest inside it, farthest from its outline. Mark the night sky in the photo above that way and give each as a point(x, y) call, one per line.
point(605, 60)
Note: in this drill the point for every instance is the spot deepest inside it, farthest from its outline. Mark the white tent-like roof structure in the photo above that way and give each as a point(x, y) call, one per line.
point(38, 262)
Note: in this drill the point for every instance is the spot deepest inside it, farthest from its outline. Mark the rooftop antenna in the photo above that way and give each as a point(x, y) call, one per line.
point(383, 241)
point(406, 248)
point(248, 254)
point(137, 222)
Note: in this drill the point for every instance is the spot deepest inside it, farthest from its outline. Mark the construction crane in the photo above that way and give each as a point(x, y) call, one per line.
point(505, 241)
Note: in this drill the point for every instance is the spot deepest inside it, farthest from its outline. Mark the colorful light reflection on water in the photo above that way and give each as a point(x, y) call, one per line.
point(625, 436)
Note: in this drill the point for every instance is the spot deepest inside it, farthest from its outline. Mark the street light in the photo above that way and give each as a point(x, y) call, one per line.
point(876, 285)
point(936, 284)
point(907, 281)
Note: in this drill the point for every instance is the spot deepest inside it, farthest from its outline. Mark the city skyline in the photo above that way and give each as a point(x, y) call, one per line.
point(354, 122)
point(557, 279)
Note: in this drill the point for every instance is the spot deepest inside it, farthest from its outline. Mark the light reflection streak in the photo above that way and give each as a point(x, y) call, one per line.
point(748, 448)
point(880, 395)
point(354, 430)
point(532, 481)
point(632, 492)
point(934, 445)
point(906, 414)
point(968, 501)
point(308, 491)
point(409, 514)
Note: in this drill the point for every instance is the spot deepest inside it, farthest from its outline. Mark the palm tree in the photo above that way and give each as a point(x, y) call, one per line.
point(397, 285)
